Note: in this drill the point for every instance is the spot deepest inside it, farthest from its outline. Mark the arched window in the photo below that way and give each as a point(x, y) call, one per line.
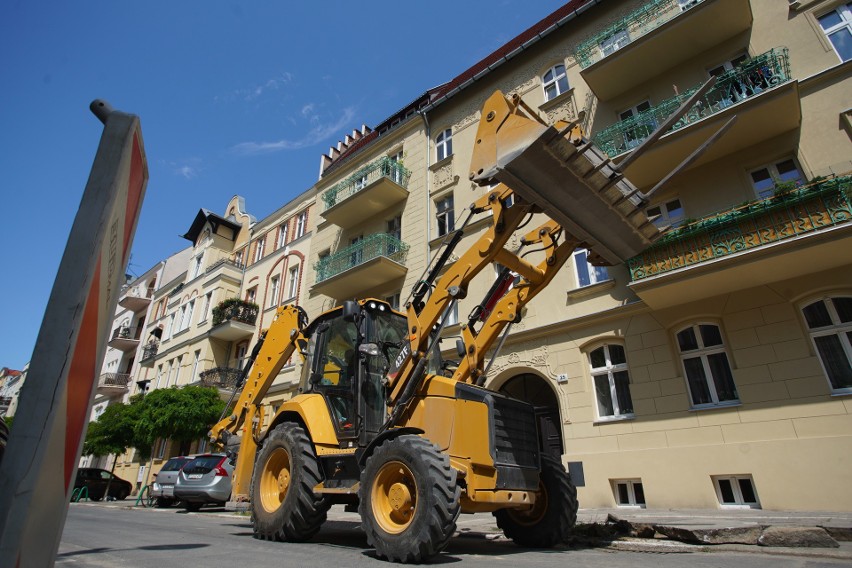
point(612, 381)
point(555, 82)
point(705, 362)
point(830, 326)
point(444, 144)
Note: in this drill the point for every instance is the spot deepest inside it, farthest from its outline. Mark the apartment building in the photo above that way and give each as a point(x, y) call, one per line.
point(711, 370)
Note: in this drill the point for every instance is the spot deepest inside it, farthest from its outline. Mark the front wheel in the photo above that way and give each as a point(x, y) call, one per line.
point(550, 520)
point(409, 499)
point(283, 503)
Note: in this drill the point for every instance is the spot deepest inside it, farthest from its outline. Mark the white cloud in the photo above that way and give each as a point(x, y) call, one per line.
point(254, 92)
point(187, 169)
point(319, 133)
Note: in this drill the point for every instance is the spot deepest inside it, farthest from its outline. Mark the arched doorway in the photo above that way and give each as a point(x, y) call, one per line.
point(536, 391)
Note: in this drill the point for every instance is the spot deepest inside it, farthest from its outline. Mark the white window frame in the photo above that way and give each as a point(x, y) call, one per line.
point(293, 289)
point(613, 43)
point(739, 498)
point(665, 211)
point(444, 144)
point(251, 295)
point(170, 328)
point(775, 176)
point(301, 224)
point(161, 449)
point(186, 314)
point(844, 12)
point(393, 301)
point(196, 360)
point(208, 300)
point(177, 369)
point(836, 328)
point(197, 267)
point(703, 352)
point(597, 274)
point(260, 244)
point(447, 214)
point(275, 288)
point(452, 316)
point(282, 235)
point(609, 370)
point(630, 486)
point(557, 84)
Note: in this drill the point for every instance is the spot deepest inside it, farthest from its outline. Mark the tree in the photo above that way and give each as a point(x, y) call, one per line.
point(113, 432)
point(180, 414)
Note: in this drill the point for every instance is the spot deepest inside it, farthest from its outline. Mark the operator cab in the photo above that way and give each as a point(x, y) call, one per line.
point(349, 354)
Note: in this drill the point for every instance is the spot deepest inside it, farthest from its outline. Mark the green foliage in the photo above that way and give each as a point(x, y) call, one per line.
point(230, 307)
point(9, 420)
point(180, 414)
point(113, 432)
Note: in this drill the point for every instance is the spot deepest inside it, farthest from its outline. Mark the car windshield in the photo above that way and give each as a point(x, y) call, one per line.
point(174, 464)
point(203, 464)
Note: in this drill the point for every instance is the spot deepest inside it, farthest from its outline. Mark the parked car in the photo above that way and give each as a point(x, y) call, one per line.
point(204, 479)
point(97, 480)
point(4, 437)
point(163, 488)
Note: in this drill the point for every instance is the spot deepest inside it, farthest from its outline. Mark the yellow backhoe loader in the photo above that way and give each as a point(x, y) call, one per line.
point(380, 422)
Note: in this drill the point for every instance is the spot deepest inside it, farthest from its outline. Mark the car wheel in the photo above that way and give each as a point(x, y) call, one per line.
point(409, 499)
point(123, 495)
point(162, 502)
point(193, 507)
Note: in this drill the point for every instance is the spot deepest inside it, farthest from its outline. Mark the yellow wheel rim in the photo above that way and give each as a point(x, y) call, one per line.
point(534, 515)
point(394, 497)
point(275, 480)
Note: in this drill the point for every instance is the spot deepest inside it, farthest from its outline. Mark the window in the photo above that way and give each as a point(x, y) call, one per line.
point(396, 172)
point(829, 323)
point(169, 372)
point(612, 381)
point(159, 376)
point(170, 327)
point(837, 26)
point(195, 360)
point(640, 128)
point(705, 362)
point(177, 369)
point(444, 144)
point(274, 289)
point(186, 313)
point(586, 273)
point(251, 294)
point(301, 224)
point(555, 82)
point(238, 257)
point(446, 216)
point(208, 299)
point(394, 229)
point(258, 248)
point(452, 315)
point(765, 179)
point(161, 449)
point(668, 214)
point(196, 269)
point(629, 492)
point(393, 301)
point(293, 289)
point(614, 42)
point(736, 491)
point(282, 235)
point(728, 65)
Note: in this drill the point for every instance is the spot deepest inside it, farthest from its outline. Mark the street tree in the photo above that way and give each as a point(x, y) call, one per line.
point(180, 414)
point(114, 432)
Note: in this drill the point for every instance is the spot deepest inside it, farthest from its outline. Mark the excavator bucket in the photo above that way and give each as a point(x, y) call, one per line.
point(565, 175)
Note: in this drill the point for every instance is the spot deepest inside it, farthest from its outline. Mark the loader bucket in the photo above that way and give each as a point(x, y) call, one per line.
point(570, 179)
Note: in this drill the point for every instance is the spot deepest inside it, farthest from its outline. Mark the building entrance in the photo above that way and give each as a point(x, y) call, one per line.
point(536, 391)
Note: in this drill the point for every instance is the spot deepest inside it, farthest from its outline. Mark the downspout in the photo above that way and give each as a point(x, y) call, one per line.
point(422, 114)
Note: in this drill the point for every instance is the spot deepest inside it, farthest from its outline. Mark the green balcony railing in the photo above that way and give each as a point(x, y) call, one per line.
point(628, 29)
point(382, 168)
point(374, 246)
point(743, 82)
point(817, 206)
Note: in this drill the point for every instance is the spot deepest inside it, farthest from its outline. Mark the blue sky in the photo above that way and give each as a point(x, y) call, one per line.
point(234, 98)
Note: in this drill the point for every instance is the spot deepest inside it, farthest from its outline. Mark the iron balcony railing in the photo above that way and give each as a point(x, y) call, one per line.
point(745, 81)
point(150, 350)
point(125, 332)
point(382, 168)
point(224, 262)
point(114, 379)
point(820, 205)
point(628, 29)
point(374, 246)
point(220, 377)
point(235, 309)
point(145, 293)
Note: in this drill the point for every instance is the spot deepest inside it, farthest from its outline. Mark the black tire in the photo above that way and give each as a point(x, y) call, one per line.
point(122, 495)
point(192, 507)
point(550, 520)
point(283, 503)
point(409, 499)
point(163, 502)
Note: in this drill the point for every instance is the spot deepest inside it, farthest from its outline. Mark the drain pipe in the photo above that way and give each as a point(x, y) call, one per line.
point(422, 114)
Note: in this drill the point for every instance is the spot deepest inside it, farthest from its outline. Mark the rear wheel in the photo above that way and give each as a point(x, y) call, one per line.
point(550, 520)
point(193, 507)
point(163, 502)
point(284, 505)
point(409, 499)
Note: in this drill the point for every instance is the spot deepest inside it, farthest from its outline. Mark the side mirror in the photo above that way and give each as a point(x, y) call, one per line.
point(369, 349)
point(351, 309)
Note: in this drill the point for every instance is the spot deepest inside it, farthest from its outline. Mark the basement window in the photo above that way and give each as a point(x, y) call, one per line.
point(736, 492)
point(629, 493)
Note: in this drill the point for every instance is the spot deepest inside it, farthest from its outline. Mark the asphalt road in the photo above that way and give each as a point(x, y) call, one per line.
point(100, 537)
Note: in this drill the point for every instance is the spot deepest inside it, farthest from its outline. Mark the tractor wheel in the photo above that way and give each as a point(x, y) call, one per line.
point(283, 503)
point(550, 520)
point(409, 499)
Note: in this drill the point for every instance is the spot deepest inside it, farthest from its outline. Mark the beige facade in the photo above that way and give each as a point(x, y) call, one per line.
point(713, 370)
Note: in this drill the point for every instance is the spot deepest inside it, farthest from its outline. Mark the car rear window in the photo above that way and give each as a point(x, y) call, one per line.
point(203, 464)
point(174, 464)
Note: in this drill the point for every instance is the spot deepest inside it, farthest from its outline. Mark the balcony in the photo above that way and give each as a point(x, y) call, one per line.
point(794, 233)
point(5, 403)
point(149, 353)
point(760, 92)
point(234, 319)
point(113, 383)
point(373, 261)
point(224, 268)
point(366, 193)
point(658, 36)
point(125, 338)
point(136, 300)
point(220, 377)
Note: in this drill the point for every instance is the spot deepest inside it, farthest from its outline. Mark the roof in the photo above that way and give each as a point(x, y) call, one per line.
point(439, 94)
point(204, 216)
